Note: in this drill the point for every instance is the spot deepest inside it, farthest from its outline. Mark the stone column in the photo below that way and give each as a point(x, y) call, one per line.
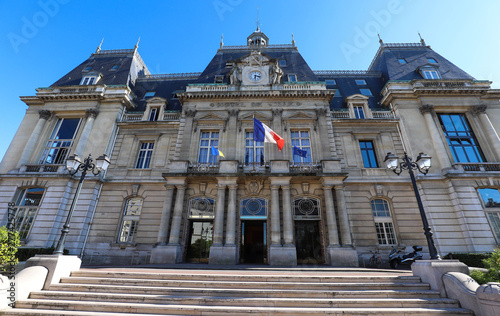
point(91, 115)
point(187, 134)
point(489, 130)
point(287, 216)
point(219, 215)
point(331, 220)
point(231, 130)
point(165, 216)
point(231, 216)
point(177, 218)
point(437, 141)
point(275, 215)
point(345, 228)
point(34, 138)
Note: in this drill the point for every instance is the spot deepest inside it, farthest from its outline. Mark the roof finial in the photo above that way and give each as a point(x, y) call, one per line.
point(380, 40)
point(99, 47)
point(293, 40)
point(421, 39)
point(258, 29)
point(137, 44)
point(221, 40)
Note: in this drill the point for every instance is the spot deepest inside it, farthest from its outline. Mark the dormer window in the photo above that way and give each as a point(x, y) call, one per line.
point(282, 62)
point(153, 114)
point(219, 79)
point(88, 80)
point(149, 94)
point(292, 78)
point(330, 82)
point(430, 73)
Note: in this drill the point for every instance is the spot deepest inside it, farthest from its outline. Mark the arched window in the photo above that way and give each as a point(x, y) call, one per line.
point(201, 208)
point(306, 208)
point(253, 208)
point(130, 220)
point(27, 205)
point(383, 222)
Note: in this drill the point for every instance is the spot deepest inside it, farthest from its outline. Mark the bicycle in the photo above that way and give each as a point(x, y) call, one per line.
point(376, 259)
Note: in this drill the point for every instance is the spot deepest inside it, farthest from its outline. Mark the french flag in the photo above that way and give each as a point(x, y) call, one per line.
point(262, 133)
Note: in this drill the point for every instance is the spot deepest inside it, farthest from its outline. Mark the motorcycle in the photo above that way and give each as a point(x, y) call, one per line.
point(398, 257)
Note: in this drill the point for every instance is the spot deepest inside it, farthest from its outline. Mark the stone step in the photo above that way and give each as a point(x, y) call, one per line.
point(345, 293)
point(246, 301)
point(217, 276)
point(243, 284)
point(101, 307)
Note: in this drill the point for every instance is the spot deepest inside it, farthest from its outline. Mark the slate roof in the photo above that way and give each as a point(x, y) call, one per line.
point(385, 67)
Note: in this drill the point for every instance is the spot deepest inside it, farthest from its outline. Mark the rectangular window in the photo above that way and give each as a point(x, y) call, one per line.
point(368, 153)
point(430, 74)
point(292, 78)
point(402, 60)
point(330, 82)
point(366, 92)
point(254, 151)
point(218, 79)
point(207, 140)
point(115, 67)
point(145, 154)
point(61, 141)
point(27, 205)
point(88, 80)
point(153, 114)
point(301, 140)
point(149, 94)
point(359, 112)
point(494, 219)
point(383, 222)
point(461, 138)
point(361, 82)
point(282, 62)
point(432, 60)
point(490, 197)
point(130, 220)
point(88, 68)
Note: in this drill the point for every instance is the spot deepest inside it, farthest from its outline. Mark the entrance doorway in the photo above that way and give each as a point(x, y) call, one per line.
point(308, 242)
point(253, 242)
point(200, 240)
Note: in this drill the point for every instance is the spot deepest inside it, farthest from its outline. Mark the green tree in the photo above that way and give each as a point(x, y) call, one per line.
point(493, 265)
point(9, 242)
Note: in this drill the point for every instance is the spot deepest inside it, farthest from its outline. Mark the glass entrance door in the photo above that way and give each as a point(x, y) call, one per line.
point(308, 242)
point(253, 242)
point(200, 240)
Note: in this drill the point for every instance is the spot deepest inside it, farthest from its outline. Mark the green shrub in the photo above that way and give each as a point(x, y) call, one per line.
point(9, 242)
point(470, 259)
point(493, 266)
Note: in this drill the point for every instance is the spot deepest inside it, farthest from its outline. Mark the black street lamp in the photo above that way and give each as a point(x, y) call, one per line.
point(423, 165)
point(74, 164)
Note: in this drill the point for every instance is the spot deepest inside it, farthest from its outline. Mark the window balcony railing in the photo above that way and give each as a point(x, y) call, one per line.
point(41, 168)
point(203, 168)
point(254, 167)
point(481, 167)
point(305, 167)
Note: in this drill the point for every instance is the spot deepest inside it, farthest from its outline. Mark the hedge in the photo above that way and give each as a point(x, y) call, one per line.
point(470, 259)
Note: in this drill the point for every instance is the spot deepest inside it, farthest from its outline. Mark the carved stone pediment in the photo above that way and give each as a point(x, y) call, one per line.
point(258, 115)
point(211, 116)
point(300, 115)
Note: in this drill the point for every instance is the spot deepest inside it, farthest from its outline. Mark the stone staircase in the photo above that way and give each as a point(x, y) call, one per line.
point(118, 292)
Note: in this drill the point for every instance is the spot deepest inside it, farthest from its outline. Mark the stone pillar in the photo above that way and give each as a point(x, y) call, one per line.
point(275, 215)
point(331, 220)
point(187, 134)
point(231, 131)
point(165, 216)
point(437, 141)
point(489, 130)
point(287, 216)
point(219, 215)
point(34, 138)
point(345, 228)
point(91, 115)
point(231, 216)
point(172, 252)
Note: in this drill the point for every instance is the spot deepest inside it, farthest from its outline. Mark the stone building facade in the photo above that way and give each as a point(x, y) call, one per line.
point(169, 195)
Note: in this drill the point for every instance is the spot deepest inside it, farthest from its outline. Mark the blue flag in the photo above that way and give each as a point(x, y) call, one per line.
point(299, 152)
point(217, 152)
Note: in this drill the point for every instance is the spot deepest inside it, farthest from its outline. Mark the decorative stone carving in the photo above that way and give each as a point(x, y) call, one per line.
point(255, 186)
point(277, 73)
point(277, 113)
point(190, 113)
point(44, 114)
point(233, 112)
point(305, 187)
point(478, 109)
point(235, 74)
point(92, 112)
point(426, 108)
point(135, 188)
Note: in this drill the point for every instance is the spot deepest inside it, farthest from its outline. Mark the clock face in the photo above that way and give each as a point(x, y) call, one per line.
point(255, 76)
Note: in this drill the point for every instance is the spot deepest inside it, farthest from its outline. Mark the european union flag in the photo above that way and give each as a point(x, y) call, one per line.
point(299, 152)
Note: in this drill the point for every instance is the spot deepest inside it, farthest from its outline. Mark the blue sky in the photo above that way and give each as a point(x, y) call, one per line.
point(43, 40)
